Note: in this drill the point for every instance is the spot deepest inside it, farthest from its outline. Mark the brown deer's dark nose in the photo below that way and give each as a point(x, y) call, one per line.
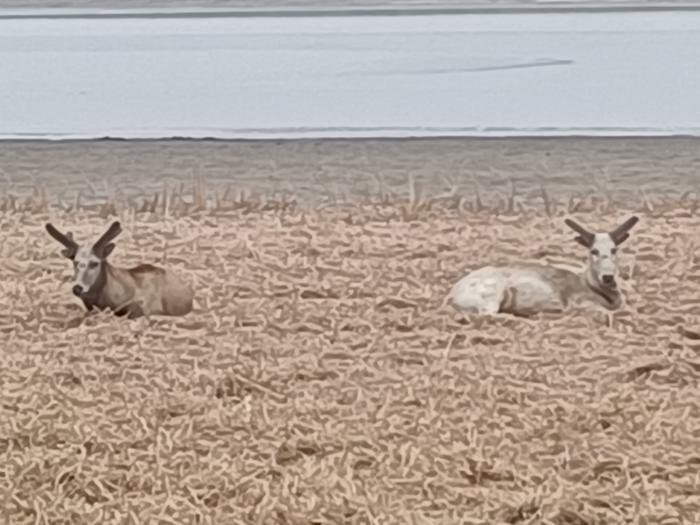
point(608, 279)
point(77, 290)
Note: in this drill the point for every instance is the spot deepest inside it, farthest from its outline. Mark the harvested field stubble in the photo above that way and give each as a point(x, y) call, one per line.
point(319, 380)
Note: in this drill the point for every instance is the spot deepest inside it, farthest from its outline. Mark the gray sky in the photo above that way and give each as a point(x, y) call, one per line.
point(310, 3)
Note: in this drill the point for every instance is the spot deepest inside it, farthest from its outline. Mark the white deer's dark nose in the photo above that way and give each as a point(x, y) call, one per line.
point(77, 290)
point(608, 279)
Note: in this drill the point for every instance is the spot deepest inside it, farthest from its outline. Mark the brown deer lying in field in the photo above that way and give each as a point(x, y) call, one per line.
point(142, 290)
point(528, 288)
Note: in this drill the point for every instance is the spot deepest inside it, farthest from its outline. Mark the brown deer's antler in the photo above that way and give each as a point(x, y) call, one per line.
point(66, 240)
point(114, 230)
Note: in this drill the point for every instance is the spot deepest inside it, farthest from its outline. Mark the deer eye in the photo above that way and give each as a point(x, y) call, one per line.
point(92, 264)
point(595, 252)
point(613, 251)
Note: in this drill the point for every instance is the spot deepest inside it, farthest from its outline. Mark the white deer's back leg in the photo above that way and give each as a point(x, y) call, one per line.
point(478, 294)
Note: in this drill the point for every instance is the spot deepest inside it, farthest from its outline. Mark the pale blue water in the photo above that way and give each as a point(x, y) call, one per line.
point(456, 75)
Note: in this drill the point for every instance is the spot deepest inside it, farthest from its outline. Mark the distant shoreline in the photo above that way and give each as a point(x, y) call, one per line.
point(308, 140)
point(316, 171)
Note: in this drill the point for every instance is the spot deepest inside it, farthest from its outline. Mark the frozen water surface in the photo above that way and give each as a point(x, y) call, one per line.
point(345, 76)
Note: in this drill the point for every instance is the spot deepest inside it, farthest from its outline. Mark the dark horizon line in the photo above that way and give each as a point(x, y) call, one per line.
point(184, 12)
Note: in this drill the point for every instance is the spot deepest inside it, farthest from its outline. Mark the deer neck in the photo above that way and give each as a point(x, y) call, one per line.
point(94, 297)
point(609, 297)
point(112, 289)
point(118, 289)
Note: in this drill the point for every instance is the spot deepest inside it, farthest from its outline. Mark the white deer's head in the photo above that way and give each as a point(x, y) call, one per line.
point(602, 258)
point(88, 261)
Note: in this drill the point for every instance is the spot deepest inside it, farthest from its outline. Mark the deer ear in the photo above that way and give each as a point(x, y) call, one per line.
point(107, 250)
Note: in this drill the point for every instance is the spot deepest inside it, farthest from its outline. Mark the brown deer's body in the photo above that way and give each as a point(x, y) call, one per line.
point(137, 291)
point(144, 289)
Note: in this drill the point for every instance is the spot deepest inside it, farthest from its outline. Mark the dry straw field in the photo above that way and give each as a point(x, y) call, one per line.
point(319, 380)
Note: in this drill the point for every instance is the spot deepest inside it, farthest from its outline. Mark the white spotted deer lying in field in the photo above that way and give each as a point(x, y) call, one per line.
point(142, 290)
point(525, 289)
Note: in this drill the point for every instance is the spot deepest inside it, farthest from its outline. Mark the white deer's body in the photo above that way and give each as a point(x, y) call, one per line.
point(142, 290)
point(526, 289)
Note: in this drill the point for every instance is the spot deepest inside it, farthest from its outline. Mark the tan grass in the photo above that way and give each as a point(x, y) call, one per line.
point(320, 381)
